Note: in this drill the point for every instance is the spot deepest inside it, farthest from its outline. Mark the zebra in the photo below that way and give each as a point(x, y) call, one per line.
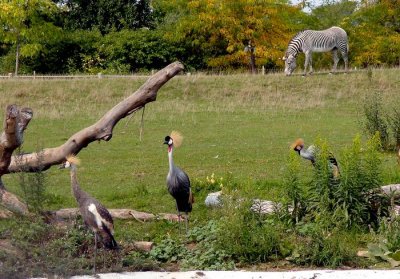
point(308, 41)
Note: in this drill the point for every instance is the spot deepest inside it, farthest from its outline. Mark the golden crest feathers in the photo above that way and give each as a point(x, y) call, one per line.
point(297, 142)
point(73, 159)
point(177, 138)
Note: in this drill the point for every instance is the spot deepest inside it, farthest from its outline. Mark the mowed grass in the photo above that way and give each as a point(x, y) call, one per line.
point(237, 125)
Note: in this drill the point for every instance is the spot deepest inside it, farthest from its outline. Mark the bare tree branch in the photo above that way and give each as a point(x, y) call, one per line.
point(101, 130)
point(16, 121)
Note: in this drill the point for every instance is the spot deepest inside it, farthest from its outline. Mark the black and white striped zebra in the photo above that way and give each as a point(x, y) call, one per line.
point(308, 41)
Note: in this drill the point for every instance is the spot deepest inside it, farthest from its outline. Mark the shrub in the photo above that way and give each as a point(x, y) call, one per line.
point(251, 237)
point(376, 119)
point(33, 186)
point(320, 247)
point(294, 188)
point(351, 198)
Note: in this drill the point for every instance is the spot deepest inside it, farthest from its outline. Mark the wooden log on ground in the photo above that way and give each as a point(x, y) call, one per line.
point(71, 213)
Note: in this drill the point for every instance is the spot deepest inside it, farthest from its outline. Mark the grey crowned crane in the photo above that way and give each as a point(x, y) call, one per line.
point(178, 182)
point(310, 154)
point(94, 214)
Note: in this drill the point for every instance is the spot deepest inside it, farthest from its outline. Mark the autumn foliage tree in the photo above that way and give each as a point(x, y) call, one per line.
point(375, 33)
point(222, 29)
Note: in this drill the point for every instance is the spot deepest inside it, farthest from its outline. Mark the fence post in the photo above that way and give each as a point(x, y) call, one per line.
point(10, 75)
point(100, 75)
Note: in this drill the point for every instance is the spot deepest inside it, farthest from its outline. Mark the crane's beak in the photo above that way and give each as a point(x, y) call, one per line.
point(165, 142)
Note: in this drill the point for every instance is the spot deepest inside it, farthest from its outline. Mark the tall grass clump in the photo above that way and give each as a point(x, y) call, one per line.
point(357, 200)
point(394, 124)
point(33, 185)
point(249, 237)
point(294, 189)
point(376, 119)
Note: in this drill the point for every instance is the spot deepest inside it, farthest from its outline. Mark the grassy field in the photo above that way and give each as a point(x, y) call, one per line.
point(237, 126)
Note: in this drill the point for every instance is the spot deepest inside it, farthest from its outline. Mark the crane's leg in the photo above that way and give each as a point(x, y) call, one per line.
point(180, 221)
point(95, 252)
point(187, 223)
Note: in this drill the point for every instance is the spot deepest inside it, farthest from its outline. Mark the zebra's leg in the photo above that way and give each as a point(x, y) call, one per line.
point(346, 61)
point(310, 64)
point(307, 58)
point(335, 60)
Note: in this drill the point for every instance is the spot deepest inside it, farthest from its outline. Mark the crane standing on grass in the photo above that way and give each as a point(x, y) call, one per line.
point(94, 214)
point(178, 182)
point(310, 153)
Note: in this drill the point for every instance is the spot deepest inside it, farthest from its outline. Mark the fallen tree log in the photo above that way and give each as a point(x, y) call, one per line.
point(72, 213)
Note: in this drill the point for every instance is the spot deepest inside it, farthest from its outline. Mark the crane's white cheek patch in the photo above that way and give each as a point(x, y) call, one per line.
point(92, 208)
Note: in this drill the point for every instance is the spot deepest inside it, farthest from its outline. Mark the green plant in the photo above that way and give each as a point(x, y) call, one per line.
point(168, 250)
point(321, 247)
point(209, 184)
point(352, 198)
point(386, 246)
point(375, 119)
point(206, 253)
point(249, 237)
point(33, 186)
point(394, 123)
point(294, 188)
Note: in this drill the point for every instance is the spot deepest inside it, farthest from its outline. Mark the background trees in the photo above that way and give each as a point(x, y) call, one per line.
point(123, 36)
point(26, 27)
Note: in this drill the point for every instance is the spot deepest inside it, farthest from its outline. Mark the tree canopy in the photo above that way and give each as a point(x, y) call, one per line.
point(122, 36)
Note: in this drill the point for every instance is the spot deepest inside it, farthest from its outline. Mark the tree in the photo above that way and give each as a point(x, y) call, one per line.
point(374, 31)
point(220, 29)
point(106, 15)
point(332, 13)
point(27, 25)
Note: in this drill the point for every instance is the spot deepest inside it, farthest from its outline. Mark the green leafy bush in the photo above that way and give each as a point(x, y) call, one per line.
point(250, 237)
point(320, 247)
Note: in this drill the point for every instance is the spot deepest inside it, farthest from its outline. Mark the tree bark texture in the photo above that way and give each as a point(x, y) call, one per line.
point(16, 121)
point(14, 125)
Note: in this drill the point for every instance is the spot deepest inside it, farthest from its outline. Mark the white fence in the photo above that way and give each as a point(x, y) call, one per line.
point(98, 76)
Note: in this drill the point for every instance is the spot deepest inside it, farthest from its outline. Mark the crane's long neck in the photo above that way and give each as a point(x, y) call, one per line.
point(170, 158)
point(76, 190)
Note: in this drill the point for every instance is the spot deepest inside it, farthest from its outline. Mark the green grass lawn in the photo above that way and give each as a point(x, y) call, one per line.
point(239, 126)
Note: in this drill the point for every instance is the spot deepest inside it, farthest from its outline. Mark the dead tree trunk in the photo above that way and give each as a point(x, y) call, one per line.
point(17, 120)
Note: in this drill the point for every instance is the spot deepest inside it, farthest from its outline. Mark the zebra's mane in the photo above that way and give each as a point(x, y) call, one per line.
point(298, 34)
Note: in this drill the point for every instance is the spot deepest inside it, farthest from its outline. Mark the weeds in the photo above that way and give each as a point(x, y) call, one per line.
point(33, 185)
point(201, 252)
point(376, 119)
